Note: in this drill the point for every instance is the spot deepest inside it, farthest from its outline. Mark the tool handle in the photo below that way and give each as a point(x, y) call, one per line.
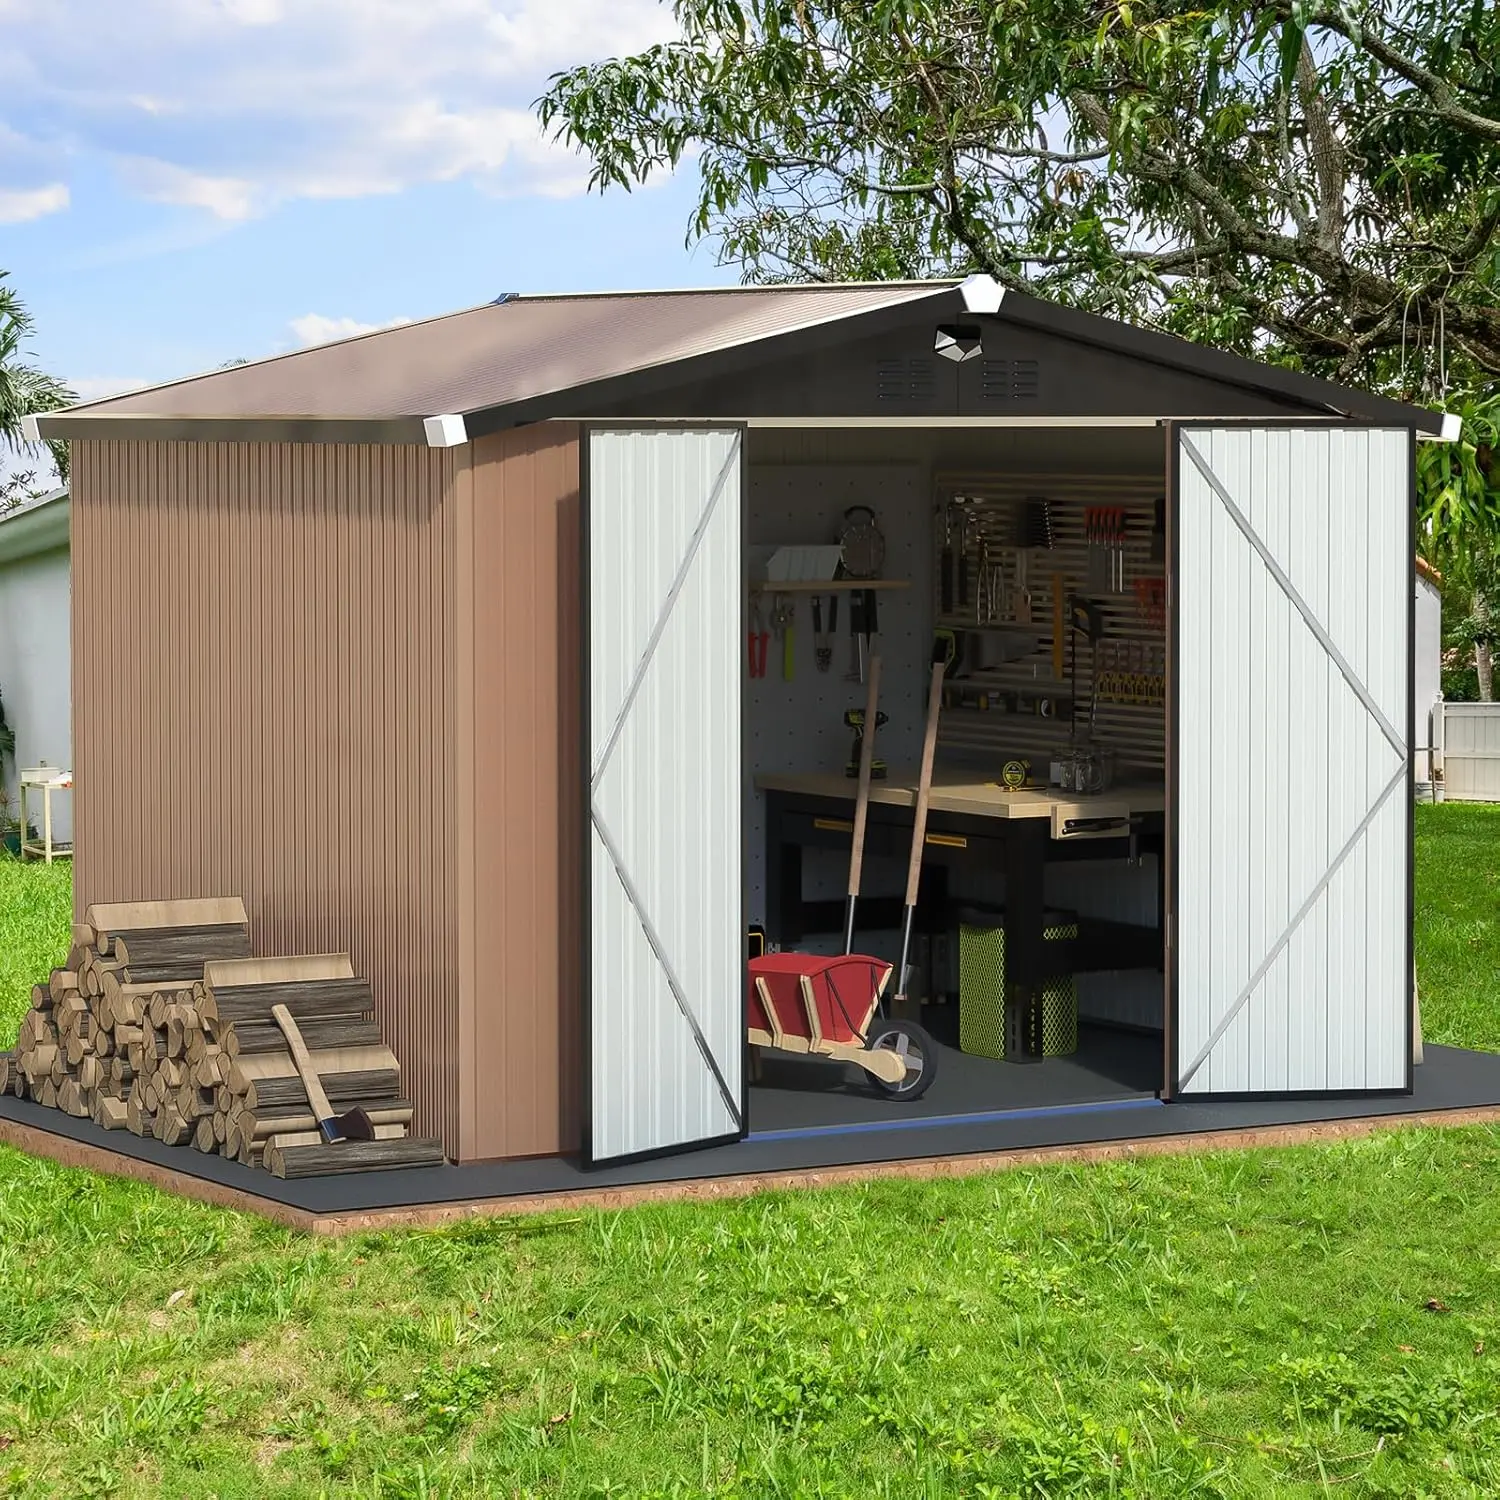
point(321, 1109)
point(866, 761)
point(924, 788)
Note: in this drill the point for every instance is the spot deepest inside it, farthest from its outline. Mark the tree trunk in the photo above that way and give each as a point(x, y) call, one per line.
point(1484, 666)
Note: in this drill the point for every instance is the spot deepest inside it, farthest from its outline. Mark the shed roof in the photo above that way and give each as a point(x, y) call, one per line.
point(526, 358)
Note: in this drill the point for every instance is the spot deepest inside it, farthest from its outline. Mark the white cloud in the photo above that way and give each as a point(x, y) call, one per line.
point(316, 328)
point(98, 387)
point(231, 106)
point(18, 205)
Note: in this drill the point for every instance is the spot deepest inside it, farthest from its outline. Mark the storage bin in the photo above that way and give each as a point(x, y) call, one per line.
point(988, 1026)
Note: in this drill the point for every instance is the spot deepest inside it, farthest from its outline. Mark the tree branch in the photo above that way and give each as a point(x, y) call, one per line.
point(1438, 90)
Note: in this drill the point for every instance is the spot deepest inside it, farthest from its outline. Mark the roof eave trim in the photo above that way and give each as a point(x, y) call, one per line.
point(1218, 365)
point(143, 426)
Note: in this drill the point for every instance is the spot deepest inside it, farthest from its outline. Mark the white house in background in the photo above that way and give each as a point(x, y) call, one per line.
point(35, 676)
point(1427, 678)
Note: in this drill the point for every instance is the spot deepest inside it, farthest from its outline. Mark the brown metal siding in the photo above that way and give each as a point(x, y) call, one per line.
point(517, 731)
point(262, 688)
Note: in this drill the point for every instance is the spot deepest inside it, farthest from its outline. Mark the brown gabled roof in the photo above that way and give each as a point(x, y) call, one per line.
point(527, 358)
point(513, 350)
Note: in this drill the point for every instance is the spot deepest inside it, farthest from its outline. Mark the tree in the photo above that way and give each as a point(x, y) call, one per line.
point(25, 391)
point(1314, 183)
point(1458, 491)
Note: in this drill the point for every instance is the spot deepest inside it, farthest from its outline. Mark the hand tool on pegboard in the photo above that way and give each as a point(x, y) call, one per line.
point(759, 638)
point(871, 623)
point(1059, 628)
point(946, 578)
point(788, 639)
point(856, 628)
point(967, 533)
point(823, 640)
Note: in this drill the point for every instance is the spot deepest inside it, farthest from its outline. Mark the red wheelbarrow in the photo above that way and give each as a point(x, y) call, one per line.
point(824, 1006)
point(805, 1004)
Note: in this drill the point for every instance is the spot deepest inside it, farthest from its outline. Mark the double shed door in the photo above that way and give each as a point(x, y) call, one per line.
point(1289, 905)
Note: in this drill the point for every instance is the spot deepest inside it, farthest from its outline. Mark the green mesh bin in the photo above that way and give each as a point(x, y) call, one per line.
point(986, 1026)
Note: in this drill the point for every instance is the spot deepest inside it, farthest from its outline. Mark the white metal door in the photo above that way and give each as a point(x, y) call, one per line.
point(1292, 727)
point(665, 988)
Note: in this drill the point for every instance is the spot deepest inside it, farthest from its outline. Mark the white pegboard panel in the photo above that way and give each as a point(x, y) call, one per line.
point(798, 726)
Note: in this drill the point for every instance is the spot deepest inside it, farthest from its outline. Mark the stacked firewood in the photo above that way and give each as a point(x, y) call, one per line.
point(161, 1024)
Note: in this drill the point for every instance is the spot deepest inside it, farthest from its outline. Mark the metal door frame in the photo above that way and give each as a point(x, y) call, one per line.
point(585, 734)
point(1171, 1064)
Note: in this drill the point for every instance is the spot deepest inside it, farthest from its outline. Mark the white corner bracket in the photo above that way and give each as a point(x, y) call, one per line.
point(982, 294)
point(1453, 427)
point(445, 432)
point(30, 432)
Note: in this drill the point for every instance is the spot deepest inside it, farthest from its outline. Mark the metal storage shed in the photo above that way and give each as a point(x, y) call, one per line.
point(395, 636)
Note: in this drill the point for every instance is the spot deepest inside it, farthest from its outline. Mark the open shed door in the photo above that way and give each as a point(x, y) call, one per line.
point(1291, 966)
point(665, 963)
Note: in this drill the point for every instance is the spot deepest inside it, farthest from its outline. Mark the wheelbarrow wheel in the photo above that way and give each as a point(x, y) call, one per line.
point(916, 1051)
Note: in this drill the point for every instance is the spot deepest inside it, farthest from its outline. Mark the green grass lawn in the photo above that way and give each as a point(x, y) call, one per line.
point(1319, 1321)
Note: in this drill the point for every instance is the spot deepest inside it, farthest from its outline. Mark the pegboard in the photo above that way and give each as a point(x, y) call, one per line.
point(797, 726)
point(1134, 635)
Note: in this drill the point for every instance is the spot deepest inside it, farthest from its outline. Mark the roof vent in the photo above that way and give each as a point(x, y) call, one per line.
point(904, 380)
point(1009, 380)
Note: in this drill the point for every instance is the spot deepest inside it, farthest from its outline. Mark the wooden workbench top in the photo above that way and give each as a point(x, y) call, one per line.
point(966, 792)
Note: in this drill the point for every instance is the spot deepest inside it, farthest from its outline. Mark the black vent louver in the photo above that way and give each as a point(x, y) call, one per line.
point(904, 380)
point(1009, 380)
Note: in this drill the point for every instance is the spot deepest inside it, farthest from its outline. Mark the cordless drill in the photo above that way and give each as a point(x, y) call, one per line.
point(855, 719)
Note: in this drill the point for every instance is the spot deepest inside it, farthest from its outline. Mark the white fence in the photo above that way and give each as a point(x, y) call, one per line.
point(1467, 745)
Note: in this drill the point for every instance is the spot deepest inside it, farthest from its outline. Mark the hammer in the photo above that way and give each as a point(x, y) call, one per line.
point(355, 1124)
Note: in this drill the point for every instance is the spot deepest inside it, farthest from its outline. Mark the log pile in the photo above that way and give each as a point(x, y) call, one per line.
point(160, 1023)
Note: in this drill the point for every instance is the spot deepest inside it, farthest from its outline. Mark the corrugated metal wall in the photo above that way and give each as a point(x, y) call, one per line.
point(262, 681)
point(666, 652)
point(1292, 919)
point(516, 585)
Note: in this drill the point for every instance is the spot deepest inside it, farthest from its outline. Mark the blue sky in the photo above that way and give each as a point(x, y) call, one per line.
point(183, 182)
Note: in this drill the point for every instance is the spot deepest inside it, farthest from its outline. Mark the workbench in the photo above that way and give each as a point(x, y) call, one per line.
point(972, 824)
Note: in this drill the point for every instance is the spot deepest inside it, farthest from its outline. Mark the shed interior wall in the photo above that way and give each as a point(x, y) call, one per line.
point(263, 649)
point(801, 480)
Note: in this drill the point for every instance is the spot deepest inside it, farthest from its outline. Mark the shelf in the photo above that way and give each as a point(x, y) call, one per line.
point(826, 585)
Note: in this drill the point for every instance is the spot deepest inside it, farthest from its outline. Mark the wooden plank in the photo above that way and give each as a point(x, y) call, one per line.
point(356, 1156)
point(217, 941)
point(344, 1090)
point(307, 1000)
point(245, 1070)
point(262, 1125)
point(244, 971)
point(108, 918)
point(383, 1132)
point(246, 1039)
